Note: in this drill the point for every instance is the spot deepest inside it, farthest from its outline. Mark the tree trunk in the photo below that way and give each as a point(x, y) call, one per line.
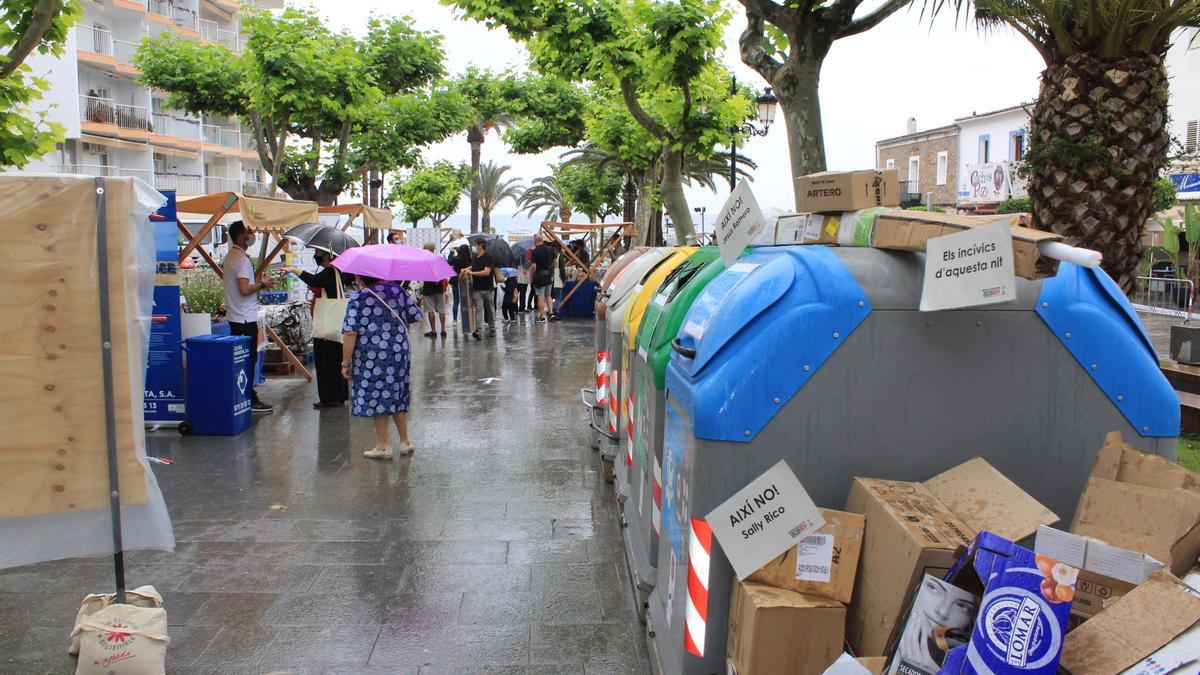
point(1098, 139)
point(487, 220)
point(629, 196)
point(795, 85)
point(674, 198)
point(475, 137)
point(642, 212)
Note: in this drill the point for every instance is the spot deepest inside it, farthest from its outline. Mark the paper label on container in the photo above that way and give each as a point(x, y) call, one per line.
point(764, 519)
point(739, 223)
point(814, 558)
point(969, 268)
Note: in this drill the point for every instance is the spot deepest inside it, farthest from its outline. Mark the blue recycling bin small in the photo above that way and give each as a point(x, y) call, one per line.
point(218, 385)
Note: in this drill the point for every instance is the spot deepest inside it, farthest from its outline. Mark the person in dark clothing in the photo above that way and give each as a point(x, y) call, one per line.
point(332, 388)
point(482, 276)
point(509, 307)
point(460, 260)
point(541, 276)
point(433, 299)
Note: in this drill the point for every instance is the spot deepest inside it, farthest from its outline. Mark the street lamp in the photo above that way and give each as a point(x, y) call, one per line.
point(701, 210)
point(766, 112)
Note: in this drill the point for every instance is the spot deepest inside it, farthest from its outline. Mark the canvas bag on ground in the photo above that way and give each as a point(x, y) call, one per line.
point(123, 640)
point(329, 314)
point(143, 596)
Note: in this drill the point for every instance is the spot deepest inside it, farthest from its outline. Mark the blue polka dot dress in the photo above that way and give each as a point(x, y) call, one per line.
point(379, 383)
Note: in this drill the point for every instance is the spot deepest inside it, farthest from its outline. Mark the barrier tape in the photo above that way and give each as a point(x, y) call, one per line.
point(696, 615)
point(629, 429)
point(602, 378)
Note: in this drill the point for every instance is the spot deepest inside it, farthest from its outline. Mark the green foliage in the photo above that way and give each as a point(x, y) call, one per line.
point(1164, 197)
point(202, 289)
point(324, 106)
point(592, 191)
point(923, 208)
point(431, 192)
point(1189, 229)
point(545, 195)
point(1018, 205)
point(29, 27)
point(495, 188)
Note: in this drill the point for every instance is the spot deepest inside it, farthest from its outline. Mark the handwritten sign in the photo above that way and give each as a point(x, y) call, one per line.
point(970, 268)
point(739, 222)
point(764, 519)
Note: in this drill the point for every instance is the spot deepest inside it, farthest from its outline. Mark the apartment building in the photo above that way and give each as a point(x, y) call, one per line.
point(925, 161)
point(1183, 68)
point(117, 127)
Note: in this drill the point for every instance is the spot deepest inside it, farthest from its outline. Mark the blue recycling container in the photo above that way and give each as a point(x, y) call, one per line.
point(218, 384)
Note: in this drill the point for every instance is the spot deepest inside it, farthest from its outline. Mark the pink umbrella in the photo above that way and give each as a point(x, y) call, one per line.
point(392, 262)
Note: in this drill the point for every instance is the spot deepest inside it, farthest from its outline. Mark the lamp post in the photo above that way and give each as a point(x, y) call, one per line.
point(766, 112)
point(701, 210)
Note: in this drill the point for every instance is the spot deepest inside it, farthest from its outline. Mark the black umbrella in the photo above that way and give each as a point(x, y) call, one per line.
point(522, 247)
point(324, 237)
point(496, 247)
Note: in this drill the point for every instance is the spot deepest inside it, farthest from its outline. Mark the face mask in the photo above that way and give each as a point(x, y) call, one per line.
point(249, 240)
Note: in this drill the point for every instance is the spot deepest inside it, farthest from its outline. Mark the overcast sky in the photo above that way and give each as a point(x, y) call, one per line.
point(870, 85)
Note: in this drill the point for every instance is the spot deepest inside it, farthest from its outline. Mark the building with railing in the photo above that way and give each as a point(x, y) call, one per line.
point(118, 127)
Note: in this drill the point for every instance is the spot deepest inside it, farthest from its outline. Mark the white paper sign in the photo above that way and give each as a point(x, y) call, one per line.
point(739, 222)
point(814, 558)
point(970, 268)
point(764, 519)
point(417, 237)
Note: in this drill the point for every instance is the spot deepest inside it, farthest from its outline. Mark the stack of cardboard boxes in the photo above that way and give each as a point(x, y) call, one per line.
point(928, 577)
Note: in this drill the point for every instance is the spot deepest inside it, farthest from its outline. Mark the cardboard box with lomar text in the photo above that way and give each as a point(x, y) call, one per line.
point(914, 529)
point(776, 631)
point(823, 563)
point(1141, 502)
point(1152, 630)
point(836, 191)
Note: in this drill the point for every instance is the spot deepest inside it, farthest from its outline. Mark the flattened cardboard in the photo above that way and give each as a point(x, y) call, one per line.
point(1126, 632)
point(875, 664)
point(1162, 523)
point(772, 630)
point(910, 230)
point(847, 532)
point(1023, 613)
point(909, 533)
point(1126, 464)
point(833, 191)
point(986, 499)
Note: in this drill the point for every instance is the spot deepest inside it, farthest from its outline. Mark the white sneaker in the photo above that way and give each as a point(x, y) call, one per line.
point(404, 449)
point(375, 453)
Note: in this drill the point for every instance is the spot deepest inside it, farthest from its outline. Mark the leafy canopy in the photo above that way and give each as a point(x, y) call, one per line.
point(29, 27)
point(431, 191)
point(591, 190)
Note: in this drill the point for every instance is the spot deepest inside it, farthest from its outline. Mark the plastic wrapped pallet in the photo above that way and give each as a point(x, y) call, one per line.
point(53, 459)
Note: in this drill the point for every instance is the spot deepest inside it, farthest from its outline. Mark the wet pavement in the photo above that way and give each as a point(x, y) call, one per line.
point(495, 548)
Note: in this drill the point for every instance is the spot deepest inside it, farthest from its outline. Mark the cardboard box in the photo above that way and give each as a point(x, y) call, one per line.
point(1142, 502)
point(824, 563)
point(910, 230)
point(911, 531)
point(863, 665)
point(1147, 619)
point(875, 664)
point(836, 191)
point(772, 630)
point(1023, 612)
point(939, 617)
point(1106, 572)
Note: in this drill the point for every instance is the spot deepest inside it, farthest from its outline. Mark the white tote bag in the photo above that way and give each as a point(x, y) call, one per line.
point(329, 314)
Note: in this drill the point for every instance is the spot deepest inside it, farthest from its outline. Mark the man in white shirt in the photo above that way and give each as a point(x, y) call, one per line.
point(242, 285)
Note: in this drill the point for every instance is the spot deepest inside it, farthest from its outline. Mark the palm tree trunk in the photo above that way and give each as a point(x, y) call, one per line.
point(673, 196)
point(487, 220)
point(475, 137)
point(1098, 140)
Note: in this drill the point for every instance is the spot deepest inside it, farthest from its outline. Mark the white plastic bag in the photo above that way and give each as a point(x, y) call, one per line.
point(144, 596)
point(123, 640)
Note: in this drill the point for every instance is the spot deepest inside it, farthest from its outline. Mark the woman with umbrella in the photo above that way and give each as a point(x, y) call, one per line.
point(327, 242)
point(375, 350)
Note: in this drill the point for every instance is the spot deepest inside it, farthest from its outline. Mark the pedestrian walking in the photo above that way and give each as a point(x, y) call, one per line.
point(393, 237)
point(332, 389)
point(483, 290)
point(541, 276)
point(509, 306)
point(376, 360)
point(433, 295)
point(242, 284)
point(560, 273)
point(460, 260)
point(523, 284)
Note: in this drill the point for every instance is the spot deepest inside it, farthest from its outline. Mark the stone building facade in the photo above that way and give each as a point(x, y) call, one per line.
point(925, 161)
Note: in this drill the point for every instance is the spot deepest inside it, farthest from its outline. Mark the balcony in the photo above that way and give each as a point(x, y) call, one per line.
point(256, 188)
point(185, 18)
point(93, 40)
point(161, 8)
point(221, 136)
point(208, 30)
point(124, 50)
point(133, 117)
point(177, 126)
point(230, 39)
point(98, 110)
point(221, 184)
point(106, 170)
point(181, 183)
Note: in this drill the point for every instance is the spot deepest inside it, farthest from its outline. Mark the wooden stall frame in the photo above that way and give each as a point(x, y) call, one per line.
point(548, 228)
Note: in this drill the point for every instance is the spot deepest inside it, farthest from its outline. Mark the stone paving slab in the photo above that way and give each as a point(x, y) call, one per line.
point(495, 549)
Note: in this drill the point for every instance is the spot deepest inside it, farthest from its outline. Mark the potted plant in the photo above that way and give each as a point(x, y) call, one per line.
point(1185, 338)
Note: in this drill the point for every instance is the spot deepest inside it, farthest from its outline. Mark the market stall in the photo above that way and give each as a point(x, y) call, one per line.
point(372, 218)
point(598, 239)
point(268, 216)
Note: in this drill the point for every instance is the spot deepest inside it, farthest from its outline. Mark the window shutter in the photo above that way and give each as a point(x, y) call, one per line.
point(1193, 130)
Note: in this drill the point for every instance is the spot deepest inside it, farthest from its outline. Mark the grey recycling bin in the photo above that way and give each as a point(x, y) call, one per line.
point(819, 356)
point(595, 401)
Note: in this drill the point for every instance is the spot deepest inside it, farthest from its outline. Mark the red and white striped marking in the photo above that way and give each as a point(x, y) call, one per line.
point(613, 403)
point(601, 378)
point(656, 517)
point(696, 613)
point(629, 428)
